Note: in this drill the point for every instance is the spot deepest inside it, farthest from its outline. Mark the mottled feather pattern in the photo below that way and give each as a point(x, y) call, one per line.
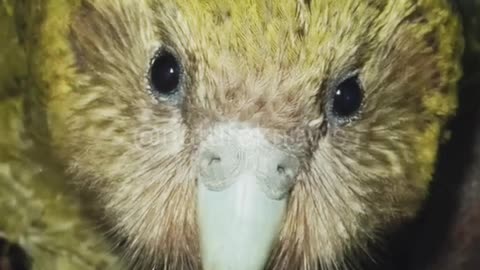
point(269, 64)
point(246, 54)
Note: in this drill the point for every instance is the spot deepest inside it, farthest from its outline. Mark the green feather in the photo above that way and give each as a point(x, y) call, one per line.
point(35, 208)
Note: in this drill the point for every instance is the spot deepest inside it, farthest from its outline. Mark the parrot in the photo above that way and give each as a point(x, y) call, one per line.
point(226, 135)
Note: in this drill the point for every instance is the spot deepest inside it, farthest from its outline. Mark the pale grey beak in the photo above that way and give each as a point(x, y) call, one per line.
point(243, 191)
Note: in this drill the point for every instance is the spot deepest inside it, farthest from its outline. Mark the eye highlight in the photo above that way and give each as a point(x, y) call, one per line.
point(347, 98)
point(165, 74)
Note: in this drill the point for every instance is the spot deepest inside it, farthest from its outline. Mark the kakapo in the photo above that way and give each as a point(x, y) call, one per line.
point(219, 134)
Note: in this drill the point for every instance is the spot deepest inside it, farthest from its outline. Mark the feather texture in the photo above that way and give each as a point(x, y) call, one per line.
point(73, 91)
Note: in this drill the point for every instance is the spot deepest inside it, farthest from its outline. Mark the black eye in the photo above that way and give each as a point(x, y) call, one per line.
point(165, 73)
point(347, 98)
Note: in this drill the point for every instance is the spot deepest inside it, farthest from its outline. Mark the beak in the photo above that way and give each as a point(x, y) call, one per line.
point(243, 191)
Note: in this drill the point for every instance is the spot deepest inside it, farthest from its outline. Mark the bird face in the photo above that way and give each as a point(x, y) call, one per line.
point(250, 134)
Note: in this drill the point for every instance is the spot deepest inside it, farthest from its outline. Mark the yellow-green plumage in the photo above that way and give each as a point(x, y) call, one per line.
point(37, 69)
point(37, 211)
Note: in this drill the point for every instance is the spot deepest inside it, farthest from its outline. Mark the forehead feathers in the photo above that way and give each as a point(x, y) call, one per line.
point(285, 32)
point(262, 31)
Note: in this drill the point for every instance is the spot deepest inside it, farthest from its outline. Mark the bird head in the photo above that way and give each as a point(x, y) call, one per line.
point(248, 134)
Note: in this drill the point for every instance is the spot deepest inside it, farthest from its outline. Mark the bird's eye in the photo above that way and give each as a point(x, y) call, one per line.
point(165, 73)
point(347, 98)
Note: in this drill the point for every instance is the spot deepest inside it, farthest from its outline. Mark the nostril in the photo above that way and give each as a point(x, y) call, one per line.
point(214, 160)
point(209, 160)
point(288, 168)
